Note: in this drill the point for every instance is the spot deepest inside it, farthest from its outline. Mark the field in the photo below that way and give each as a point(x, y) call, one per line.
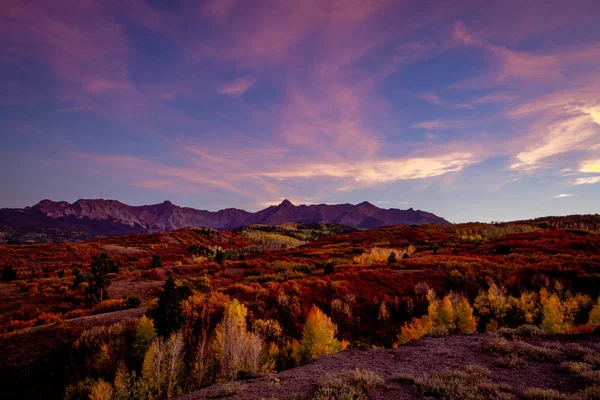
point(378, 288)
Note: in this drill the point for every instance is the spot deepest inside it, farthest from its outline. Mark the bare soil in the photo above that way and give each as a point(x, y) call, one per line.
point(424, 356)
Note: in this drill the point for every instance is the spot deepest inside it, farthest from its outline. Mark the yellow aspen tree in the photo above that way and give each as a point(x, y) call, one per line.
point(434, 306)
point(465, 321)
point(446, 316)
point(230, 339)
point(101, 391)
point(254, 348)
point(553, 320)
point(595, 314)
point(318, 336)
point(414, 330)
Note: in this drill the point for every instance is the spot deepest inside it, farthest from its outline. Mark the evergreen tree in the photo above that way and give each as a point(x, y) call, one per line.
point(169, 316)
point(100, 268)
point(156, 262)
point(392, 258)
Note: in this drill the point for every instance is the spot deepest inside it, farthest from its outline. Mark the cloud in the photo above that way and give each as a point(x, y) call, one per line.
point(380, 171)
point(571, 134)
point(590, 166)
point(428, 125)
point(562, 196)
point(435, 99)
point(237, 87)
point(586, 181)
point(509, 64)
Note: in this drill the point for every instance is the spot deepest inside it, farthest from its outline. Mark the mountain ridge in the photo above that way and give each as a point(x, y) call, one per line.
point(90, 218)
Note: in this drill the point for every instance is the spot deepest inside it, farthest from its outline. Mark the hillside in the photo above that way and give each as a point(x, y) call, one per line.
point(279, 274)
point(50, 221)
point(438, 357)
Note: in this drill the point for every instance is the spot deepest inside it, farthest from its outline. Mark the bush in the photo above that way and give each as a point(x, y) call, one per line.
point(529, 331)
point(543, 394)
point(473, 382)
point(347, 385)
point(132, 302)
point(231, 389)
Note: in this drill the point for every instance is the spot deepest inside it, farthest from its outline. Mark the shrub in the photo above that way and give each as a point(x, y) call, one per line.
point(473, 382)
point(109, 306)
point(132, 302)
point(529, 331)
point(231, 389)
point(347, 385)
point(543, 394)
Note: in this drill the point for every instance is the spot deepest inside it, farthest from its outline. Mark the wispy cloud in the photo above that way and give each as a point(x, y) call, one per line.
point(237, 87)
point(586, 181)
point(562, 196)
point(435, 99)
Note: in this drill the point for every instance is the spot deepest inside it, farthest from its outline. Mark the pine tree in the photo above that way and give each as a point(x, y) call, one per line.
point(169, 316)
point(318, 336)
point(102, 265)
point(392, 258)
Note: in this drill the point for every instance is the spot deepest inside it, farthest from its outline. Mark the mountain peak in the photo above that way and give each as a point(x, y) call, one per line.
point(286, 203)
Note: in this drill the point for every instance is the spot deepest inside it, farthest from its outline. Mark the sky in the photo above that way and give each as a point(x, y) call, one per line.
point(473, 110)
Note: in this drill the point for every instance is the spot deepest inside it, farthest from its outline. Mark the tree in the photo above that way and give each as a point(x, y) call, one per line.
point(163, 368)
point(144, 332)
point(168, 309)
point(553, 320)
point(220, 257)
point(102, 265)
point(9, 273)
point(156, 262)
point(446, 316)
point(465, 322)
point(328, 269)
point(230, 339)
point(415, 330)
point(595, 314)
point(392, 258)
point(318, 335)
point(101, 391)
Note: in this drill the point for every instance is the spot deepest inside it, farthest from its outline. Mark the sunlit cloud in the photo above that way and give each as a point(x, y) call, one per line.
point(571, 134)
point(586, 181)
point(381, 171)
point(590, 166)
point(563, 195)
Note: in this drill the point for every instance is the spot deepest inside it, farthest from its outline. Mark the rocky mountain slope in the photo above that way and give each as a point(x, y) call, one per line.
point(50, 221)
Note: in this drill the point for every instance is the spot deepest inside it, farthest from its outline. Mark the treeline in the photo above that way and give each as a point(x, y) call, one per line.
point(206, 334)
point(198, 336)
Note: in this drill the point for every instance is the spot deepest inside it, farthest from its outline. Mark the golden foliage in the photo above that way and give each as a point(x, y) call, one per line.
point(318, 336)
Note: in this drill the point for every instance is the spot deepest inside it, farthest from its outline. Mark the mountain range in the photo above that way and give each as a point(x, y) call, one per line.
point(50, 221)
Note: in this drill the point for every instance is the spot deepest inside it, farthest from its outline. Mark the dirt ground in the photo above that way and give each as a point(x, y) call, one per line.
point(423, 356)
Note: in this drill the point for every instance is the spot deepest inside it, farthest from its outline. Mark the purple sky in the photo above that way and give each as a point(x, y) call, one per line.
point(473, 110)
